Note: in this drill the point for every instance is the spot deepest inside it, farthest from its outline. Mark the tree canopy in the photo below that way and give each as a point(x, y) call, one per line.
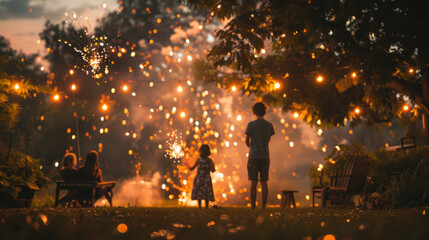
point(21, 85)
point(328, 61)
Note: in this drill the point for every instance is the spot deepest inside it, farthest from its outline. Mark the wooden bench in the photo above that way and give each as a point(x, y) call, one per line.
point(345, 182)
point(92, 187)
point(288, 199)
point(406, 143)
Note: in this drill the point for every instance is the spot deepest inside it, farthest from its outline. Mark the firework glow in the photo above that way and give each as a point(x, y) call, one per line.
point(174, 146)
point(148, 113)
point(94, 50)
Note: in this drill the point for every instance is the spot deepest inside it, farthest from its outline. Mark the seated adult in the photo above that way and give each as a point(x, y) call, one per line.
point(68, 171)
point(90, 171)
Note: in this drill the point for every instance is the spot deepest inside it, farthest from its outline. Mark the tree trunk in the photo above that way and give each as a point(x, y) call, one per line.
point(425, 103)
point(425, 123)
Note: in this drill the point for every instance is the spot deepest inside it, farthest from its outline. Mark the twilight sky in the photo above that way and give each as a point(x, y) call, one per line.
point(21, 21)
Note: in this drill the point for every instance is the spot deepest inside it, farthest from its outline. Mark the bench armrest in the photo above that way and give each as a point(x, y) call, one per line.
point(106, 184)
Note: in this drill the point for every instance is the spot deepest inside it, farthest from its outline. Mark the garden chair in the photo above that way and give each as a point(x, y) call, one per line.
point(344, 183)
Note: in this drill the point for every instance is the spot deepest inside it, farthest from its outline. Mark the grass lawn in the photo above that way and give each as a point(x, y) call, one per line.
point(224, 223)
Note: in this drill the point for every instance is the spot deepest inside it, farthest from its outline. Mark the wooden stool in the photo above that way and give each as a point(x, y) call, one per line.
point(287, 198)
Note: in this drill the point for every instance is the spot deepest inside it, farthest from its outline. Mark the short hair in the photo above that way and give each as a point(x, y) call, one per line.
point(69, 159)
point(259, 108)
point(204, 150)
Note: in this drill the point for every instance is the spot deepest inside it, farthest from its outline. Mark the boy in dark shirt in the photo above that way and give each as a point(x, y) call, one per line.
point(258, 135)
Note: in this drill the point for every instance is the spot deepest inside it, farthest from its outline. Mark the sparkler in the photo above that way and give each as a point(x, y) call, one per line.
point(174, 146)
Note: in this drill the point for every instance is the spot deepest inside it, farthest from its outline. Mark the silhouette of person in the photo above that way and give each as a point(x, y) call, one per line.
point(258, 135)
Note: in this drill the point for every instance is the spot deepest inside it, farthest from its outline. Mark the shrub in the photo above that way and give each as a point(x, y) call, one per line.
point(402, 177)
point(18, 172)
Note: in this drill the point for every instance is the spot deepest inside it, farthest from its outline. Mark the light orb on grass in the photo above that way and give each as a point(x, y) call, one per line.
point(122, 228)
point(329, 237)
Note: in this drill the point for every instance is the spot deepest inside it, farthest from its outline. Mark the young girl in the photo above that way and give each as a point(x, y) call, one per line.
point(69, 171)
point(203, 188)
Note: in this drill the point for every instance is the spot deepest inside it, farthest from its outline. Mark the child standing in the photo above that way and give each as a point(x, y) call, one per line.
point(203, 188)
point(258, 135)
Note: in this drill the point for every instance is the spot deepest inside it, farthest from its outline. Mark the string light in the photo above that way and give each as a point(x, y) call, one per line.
point(104, 107)
point(73, 87)
point(295, 115)
point(125, 88)
point(357, 110)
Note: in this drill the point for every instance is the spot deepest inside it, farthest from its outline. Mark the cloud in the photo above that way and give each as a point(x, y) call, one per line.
point(10, 9)
point(26, 34)
point(36, 9)
point(19, 9)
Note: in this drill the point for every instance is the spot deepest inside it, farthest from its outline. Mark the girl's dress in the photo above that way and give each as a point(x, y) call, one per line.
point(203, 188)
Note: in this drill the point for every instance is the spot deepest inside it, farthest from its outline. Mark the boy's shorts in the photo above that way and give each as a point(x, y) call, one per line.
point(257, 169)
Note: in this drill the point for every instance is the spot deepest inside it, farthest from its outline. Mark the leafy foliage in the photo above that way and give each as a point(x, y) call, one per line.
point(20, 83)
point(17, 171)
point(368, 54)
point(18, 75)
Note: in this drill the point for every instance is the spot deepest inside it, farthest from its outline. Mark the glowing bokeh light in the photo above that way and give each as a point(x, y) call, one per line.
point(357, 110)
